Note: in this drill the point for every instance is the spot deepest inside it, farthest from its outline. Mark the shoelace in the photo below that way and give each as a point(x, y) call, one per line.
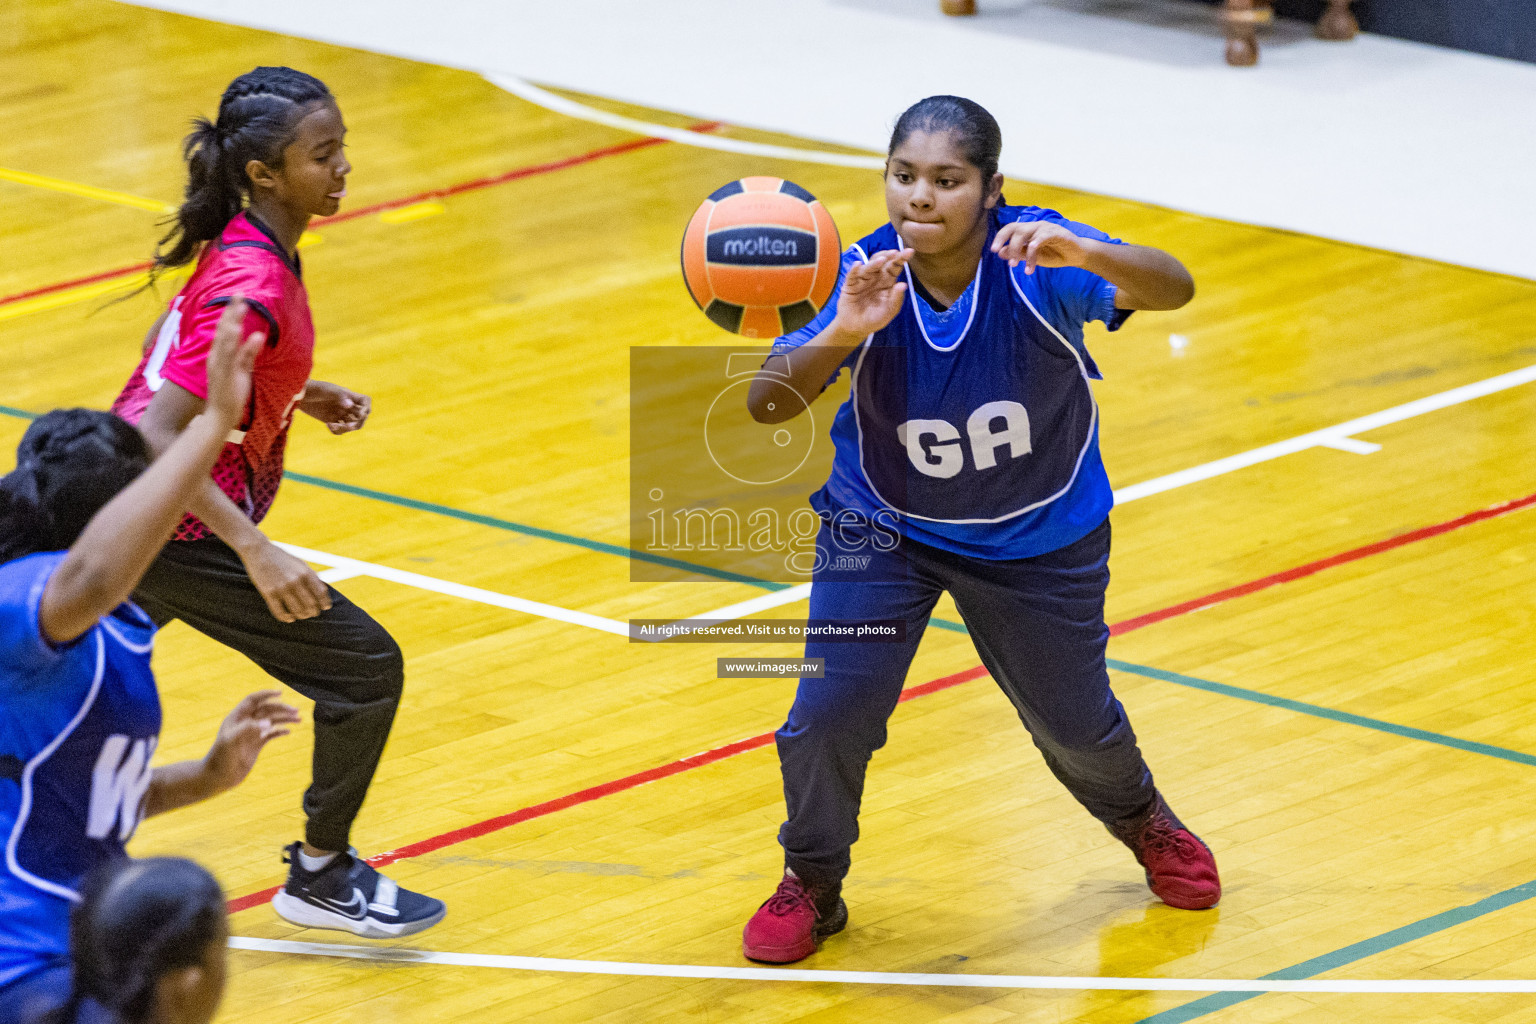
point(789, 897)
point(1162, 837)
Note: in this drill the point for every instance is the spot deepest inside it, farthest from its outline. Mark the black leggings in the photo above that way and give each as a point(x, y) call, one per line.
point(341, 659)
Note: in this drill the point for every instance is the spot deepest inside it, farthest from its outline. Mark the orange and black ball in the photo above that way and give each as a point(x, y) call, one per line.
point(760, 257)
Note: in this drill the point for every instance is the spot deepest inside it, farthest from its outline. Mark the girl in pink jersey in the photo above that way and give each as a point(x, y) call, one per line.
point(273, 158)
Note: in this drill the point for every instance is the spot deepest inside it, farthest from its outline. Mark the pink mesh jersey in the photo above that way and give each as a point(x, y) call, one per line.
point(246, 259)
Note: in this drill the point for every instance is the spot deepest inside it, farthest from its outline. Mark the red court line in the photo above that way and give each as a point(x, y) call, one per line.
point(502, 179)
point(392, 204)
point(496, 824)
point(911, 693)
point(1302, 571)
point(75, 282)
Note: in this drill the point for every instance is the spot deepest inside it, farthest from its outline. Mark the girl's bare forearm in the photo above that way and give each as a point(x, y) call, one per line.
point(803, 370)
point(1146, 278)
point(177, 785)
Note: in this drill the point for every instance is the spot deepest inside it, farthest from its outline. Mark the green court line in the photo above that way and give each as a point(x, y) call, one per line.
point(529, 531)
point(945, 624)
point(1350, 954)
point(1189, 1011)
point(499, 523)
point(510, 525)
point(1318, 711)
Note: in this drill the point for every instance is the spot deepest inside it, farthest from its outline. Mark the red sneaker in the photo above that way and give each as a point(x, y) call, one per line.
point(788, 926)
point(1180, 868)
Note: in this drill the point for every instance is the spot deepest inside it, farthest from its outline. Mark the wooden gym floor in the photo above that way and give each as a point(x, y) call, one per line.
point(1353, 736)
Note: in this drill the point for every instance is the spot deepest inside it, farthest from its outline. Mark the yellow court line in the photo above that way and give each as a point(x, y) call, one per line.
point(86, 292)
point(416, 211)
point(74, 188)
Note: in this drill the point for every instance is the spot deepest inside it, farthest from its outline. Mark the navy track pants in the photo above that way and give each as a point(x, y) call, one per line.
point(1038, 624)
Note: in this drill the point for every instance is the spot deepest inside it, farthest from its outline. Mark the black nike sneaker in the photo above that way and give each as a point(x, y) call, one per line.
point(350, 896)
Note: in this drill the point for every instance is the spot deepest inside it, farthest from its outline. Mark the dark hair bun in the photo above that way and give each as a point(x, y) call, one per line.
point(973, 127)
point(137, 921)
point(69, 464)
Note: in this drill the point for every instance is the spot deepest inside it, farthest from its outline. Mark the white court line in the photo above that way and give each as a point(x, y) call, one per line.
point(395, 955)
point(1336, 436)
point(739, 610)
point(761, 603)
point(570, 108)
point(411, 579)
point(1339, 436)
point(342, 568)
point(1352, 444)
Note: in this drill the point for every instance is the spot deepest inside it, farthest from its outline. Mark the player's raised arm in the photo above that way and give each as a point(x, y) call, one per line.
point(1144, 277)
point(116, 547)
point(870, 298)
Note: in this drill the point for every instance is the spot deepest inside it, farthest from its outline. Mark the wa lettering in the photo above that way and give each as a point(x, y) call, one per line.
point(119, 784)
point(937, 449)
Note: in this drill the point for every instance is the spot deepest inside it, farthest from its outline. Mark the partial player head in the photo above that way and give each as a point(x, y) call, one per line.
point(149, 940)
point(278, 137)
point(69, 464)
point(941, 174)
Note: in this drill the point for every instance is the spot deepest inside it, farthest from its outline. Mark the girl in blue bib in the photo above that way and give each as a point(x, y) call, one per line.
point(967, 461)
point(81, 517)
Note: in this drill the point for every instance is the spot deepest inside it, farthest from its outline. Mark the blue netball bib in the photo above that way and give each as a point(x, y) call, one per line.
point(975, 426)
point(78, 728)
point(980, 428)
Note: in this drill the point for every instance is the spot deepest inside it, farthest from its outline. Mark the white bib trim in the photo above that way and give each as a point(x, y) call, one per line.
point(1093, 421)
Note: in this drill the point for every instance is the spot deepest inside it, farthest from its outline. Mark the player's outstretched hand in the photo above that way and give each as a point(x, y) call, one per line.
point(292, 590)
point(1039, 243)
point(872, 293)
point(255, 722)
point(230, 361)
point(340, 409)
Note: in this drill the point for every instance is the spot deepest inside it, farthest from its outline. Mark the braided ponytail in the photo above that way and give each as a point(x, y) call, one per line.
point(257, 117)
point(69, 464)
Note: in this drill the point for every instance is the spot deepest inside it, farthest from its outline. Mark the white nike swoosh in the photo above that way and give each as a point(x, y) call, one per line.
point(355, 908)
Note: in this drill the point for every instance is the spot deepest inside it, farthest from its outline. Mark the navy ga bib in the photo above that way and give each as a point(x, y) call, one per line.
point(986, 428)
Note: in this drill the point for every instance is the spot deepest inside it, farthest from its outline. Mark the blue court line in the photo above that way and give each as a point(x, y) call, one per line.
point(562, 538)
point(1350, 954)
point(1224, 689)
